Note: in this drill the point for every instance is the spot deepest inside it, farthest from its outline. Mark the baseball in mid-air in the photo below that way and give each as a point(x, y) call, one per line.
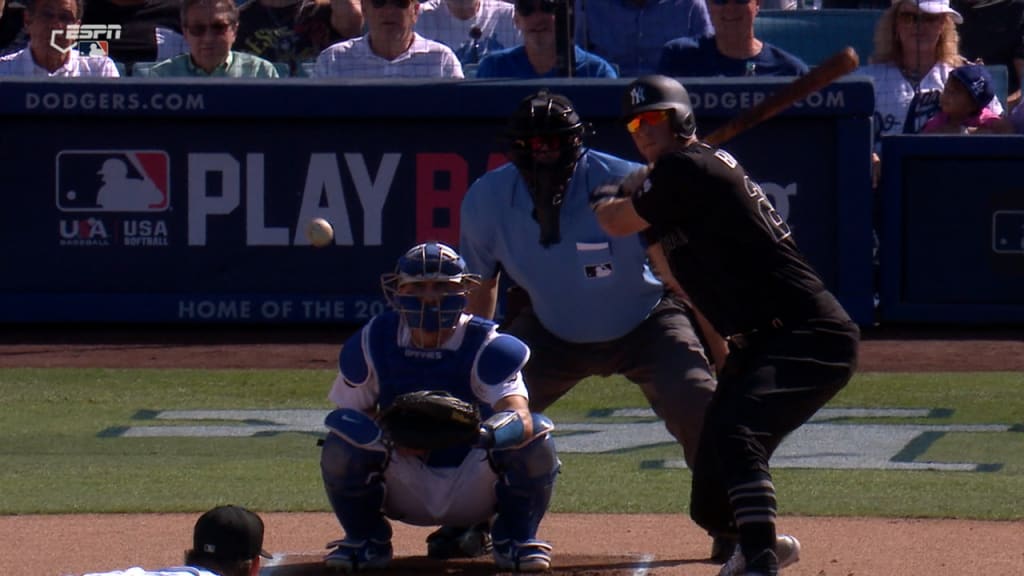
point(319, 232)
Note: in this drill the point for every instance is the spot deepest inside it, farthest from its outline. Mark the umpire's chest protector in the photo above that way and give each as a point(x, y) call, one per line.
point(400, 369)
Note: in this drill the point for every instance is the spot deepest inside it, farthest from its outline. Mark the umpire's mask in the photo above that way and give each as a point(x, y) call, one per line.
point(545, 141)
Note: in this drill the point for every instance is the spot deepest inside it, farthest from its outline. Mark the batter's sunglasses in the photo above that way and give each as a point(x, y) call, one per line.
point(400, 4)
point(527, 7)
point(650, 117)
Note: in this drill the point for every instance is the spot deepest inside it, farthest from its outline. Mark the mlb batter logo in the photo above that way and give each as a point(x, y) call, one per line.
point(113, 181)
point(94, 48)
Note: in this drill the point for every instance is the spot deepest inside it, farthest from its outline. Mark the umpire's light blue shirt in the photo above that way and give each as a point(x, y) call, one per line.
point(587, 288)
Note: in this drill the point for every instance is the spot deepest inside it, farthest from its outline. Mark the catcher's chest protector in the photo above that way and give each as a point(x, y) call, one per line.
point(400, 370)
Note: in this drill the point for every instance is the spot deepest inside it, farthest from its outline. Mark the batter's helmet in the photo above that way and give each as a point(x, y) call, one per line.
point(656, 92)
point(429, 262)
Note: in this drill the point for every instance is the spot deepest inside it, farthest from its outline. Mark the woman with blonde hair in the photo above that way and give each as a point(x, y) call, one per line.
point(916, 47)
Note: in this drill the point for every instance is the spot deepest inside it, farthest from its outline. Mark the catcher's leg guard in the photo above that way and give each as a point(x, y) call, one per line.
point(526, 482)
point(352, 463)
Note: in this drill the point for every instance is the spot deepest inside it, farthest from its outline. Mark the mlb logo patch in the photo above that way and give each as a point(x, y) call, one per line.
point(602, 270)
point(94, 48)
point(113, 181)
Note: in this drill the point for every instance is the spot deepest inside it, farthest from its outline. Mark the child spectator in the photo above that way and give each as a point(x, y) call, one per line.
point(964, 104)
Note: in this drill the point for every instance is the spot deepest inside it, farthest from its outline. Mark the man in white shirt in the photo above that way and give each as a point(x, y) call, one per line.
point(472, 28)
point(390, 48)
point(49, 52)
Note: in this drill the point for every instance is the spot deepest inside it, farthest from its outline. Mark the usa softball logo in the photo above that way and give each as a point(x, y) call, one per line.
point(113, 181)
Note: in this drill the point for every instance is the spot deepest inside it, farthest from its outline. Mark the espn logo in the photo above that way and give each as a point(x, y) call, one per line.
point(113, 181)
point(1008, 232)
point(83, 32)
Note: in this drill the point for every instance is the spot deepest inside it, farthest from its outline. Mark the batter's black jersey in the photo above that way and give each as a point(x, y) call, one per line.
point(727, 246)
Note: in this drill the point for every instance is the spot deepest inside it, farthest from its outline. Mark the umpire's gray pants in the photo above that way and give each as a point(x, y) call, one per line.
point(663, 355)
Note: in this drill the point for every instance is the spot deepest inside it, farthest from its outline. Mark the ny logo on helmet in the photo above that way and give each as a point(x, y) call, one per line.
point(637, 96)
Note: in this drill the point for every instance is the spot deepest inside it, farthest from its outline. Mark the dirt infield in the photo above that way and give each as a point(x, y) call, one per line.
point(606, 545)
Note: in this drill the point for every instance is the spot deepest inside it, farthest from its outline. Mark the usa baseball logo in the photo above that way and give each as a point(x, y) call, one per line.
point(113, 181)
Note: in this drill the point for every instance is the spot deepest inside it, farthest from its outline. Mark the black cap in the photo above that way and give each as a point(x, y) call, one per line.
point(229, 533)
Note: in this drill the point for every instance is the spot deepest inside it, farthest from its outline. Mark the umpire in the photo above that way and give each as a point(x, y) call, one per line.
point(792, 347)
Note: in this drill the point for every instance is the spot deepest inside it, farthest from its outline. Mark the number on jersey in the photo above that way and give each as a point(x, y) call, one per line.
point(772, 220)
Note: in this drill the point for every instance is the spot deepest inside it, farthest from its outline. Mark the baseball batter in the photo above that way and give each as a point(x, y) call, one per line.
point(428, 343)
point(792, 346)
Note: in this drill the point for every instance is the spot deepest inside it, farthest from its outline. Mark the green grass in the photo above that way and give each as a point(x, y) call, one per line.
point(56, 458)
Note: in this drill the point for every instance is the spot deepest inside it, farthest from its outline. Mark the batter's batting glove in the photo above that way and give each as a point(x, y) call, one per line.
point(604, 193)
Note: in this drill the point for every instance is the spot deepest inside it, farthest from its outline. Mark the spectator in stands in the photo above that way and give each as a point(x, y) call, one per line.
point(963, 104)
point(138, 20)
point(630, 33)
point(12, 29)
point(390, 48)
point(733, 50)
point(993, 31)
point(46, 22)
point(210, 27)
point(295, 31)
point(538, 56)
point(916, 47)
point(472, 28)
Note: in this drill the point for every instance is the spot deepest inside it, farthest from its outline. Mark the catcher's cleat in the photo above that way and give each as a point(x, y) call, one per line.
point(356, 555)
point(786, 553)
point(529, 556)
point(459, 542)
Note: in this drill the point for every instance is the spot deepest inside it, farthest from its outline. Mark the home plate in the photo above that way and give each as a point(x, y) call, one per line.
point(305, 564)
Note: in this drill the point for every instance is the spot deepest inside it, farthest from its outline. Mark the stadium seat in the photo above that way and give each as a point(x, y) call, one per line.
point(1000, 81)
point(141, 69)
point(305, 69)
point(814, 35)
point(283, 69)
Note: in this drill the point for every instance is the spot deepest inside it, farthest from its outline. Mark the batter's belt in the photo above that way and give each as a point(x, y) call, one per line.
point(822, 304)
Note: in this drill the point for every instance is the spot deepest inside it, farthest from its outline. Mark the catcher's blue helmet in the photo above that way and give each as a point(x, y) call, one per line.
point(429, 286)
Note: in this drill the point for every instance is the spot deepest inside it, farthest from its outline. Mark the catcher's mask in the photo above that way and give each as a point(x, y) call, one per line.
point(429, 286)
point(656, 92)
point(545, 138)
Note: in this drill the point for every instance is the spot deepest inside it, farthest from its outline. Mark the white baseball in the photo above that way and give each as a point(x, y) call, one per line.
point(319, 232)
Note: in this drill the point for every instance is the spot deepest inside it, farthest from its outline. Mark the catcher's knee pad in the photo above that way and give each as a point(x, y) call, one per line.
point(345, 463)
point(524, 489)
point(532, 462)
point(356, 428)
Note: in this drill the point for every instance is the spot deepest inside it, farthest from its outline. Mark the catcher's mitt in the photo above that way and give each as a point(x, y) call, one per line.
point(430, 420)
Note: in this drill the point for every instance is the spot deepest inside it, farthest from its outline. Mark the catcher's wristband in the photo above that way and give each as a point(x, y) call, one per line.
point(501, 431)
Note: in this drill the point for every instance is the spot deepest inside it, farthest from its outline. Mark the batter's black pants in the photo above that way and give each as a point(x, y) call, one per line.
point(767, 389)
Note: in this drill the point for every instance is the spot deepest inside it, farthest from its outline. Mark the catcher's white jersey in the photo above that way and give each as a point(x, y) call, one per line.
point(175, 571)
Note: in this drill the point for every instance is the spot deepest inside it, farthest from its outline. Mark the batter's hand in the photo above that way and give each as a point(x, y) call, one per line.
point(632, 183)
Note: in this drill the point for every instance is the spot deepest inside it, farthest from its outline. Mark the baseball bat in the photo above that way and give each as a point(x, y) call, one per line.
point(837, 65)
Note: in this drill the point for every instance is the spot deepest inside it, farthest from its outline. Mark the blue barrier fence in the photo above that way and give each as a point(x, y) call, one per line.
point(232, 170)
point(952, 243)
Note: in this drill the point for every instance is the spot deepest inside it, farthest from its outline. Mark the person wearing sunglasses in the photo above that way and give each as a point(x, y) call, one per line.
point(916, 47)
point(591, 305)
point(791, 345)
point(472, 28)
point(732, 50)
point(210, 27)
point(391, 48)
point(538, 56)
point(630, 33)
point(49, 53)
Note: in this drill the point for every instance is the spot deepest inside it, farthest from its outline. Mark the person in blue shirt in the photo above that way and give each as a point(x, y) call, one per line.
point(733, 50)
point(537, 56)
point(503, 482)
point(595, 308)
point(631, 33)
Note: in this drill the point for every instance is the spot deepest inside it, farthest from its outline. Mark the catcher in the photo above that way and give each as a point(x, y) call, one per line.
point(433, 426)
